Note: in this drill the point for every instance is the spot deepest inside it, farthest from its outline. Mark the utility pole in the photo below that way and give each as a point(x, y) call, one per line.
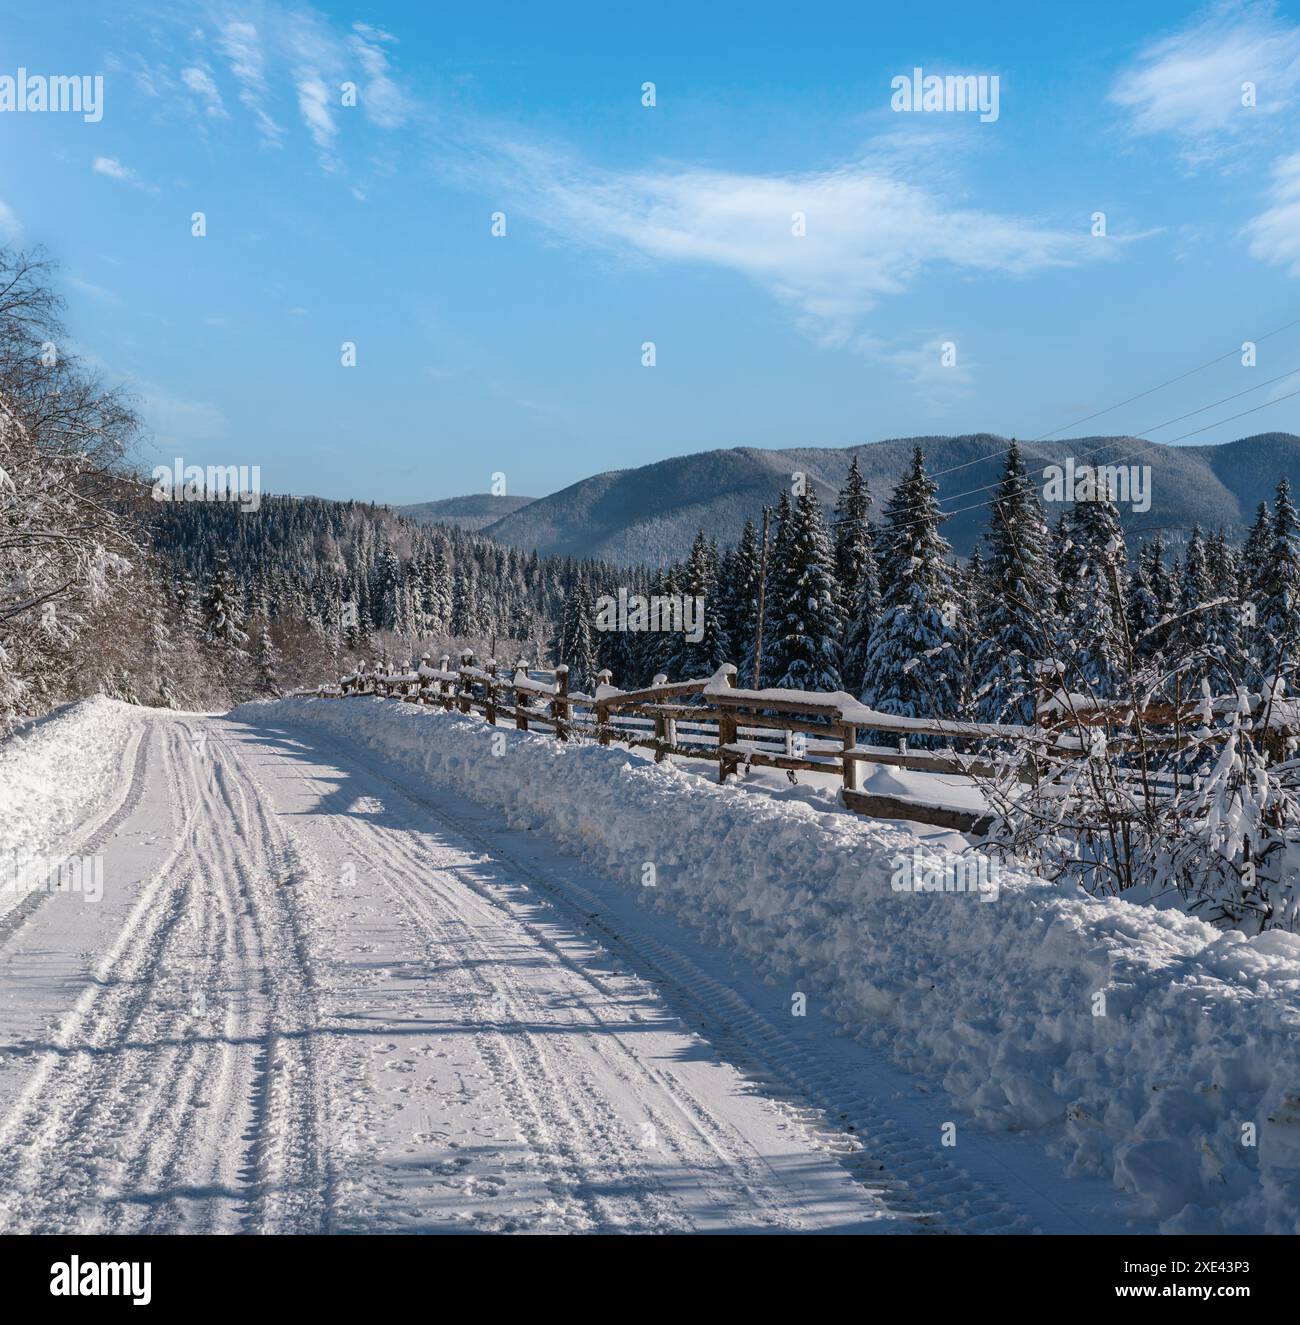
point(762, 593)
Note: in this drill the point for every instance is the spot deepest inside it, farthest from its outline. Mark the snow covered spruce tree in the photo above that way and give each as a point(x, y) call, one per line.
point(1279, 597)
point(574, 643)
point(804, 611)
point(778, 557)
point(223, 618)
point(859, 580)
point(267, 664)
point(1018, 625)
point(1093, 568)
point(698, 582)
point(1223, 634)
point(1151, 602)
point(738, 605)
point(914, 666)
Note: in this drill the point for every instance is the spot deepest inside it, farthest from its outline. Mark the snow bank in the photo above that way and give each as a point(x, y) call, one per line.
point(1144, 1045)
point(54, 776)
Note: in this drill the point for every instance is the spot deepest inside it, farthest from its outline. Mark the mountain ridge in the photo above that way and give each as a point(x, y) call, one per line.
point(471, 512)
point(649, 514)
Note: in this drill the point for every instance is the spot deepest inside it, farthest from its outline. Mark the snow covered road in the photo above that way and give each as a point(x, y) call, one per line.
point(315, 999)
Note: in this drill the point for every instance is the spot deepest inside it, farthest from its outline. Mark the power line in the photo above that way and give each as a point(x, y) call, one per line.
point(1168, 423)
point(975, 506)
point(1087, 418)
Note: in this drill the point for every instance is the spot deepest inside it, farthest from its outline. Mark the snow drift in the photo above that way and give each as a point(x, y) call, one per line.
point(1140, 1044)
point(54, 774)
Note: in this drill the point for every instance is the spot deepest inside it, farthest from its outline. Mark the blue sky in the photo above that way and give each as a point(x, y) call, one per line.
point(521, 354)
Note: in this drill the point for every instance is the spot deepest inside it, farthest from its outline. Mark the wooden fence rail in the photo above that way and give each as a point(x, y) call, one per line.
point(706, 718)
point(710, 718)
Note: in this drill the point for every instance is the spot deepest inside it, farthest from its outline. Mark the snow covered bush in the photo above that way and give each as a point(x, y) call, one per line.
point(1210, 822)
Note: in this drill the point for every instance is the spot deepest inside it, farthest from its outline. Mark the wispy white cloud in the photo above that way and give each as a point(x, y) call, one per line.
point(199, 81)
point(870, 228)
point(1274, 235)
point(382, 100)
point(241, 44)
point(1193, 83)
point(175, 421)
point(939, 363)
point(1197, 87)
point(314, 105)
point(90, 288)
point(10, 227)
point(113, 168)
point(283, 61)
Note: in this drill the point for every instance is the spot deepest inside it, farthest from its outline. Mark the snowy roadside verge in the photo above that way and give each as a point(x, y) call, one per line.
point(1141, 1045)
point(55, 775)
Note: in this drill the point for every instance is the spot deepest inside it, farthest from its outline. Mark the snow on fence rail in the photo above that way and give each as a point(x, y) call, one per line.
point(710, 718)
point(704, 718)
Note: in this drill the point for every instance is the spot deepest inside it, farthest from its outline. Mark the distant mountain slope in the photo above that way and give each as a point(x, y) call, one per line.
point(472, 512)
point(650, 514)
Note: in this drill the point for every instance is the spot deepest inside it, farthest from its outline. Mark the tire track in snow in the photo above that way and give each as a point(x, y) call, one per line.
point(54, 1143)
point(915, 1183)
point(411, 864)
point(146, 1112)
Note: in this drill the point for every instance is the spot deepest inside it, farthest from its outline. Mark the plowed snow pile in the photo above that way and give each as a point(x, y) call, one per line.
point(54, 775)
point(1141, 1044)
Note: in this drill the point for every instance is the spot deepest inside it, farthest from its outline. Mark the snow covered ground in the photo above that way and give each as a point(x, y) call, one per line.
point(359, 965)
point(58, 777)
point(1141, 1047)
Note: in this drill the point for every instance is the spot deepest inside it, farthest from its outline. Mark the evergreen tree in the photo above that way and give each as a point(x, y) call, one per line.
point(778, 560)
point(223, 621)
point(1223, 622)
point(1017, 617)
point(699, 583)
point(1253, 585)
point(437, 603)
point(806, 626)
point(1093, 635)
point(855, 557)
point(856, 570)
point(1279, 608)
point(575, 644)
point(913, 661)
point(653, 648)
point(738, 608)
point(862, 622)
point(1255, 553)
point(1152, 596)
point(1194, 594)
point(464, 604)
point(267, 664)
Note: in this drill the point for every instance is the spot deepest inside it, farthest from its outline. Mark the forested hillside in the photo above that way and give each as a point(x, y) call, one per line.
point(649, 515)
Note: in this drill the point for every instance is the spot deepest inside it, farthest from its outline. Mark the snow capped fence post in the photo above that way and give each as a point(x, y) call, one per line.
point(466, 684)
point(520, 697)
point(560, 704)
point(490, 692)
point(662, 732)
point(728, 729)
point(444, 685)
point(603, 678)
point(852, 769)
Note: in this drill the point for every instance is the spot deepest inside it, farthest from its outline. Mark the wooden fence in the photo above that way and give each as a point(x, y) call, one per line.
point(806, 731)
point(708, 718)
